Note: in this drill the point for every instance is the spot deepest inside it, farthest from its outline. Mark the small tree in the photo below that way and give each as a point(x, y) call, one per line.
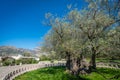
point(27, 54)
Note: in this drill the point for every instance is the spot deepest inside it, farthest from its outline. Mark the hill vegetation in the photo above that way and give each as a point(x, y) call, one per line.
point(10, 50)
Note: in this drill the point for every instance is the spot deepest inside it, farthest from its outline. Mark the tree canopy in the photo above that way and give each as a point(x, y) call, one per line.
point(90, 32)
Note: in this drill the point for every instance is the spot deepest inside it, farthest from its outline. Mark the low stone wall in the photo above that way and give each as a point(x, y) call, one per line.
point(109, 65)
point(10, 72)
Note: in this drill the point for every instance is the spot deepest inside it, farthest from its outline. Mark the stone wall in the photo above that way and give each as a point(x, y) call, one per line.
point(10, 72)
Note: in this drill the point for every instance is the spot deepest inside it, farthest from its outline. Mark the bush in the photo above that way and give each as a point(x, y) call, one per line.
point(27, 61)
point(8, 62)
point(44, 58)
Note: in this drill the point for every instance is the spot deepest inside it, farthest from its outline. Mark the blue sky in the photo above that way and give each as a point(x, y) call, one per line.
point(21, 20)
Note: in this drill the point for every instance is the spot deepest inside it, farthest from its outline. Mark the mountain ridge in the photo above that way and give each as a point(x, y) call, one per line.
point(11, 50)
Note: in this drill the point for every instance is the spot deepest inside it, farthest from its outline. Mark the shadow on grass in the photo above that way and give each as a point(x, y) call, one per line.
point(64, 76)
point(115, 74)
point(52, 70)
point(107, 74)
point(58, 73)
point(71, 77)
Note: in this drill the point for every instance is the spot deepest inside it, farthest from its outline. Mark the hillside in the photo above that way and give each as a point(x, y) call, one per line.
point(10, 50)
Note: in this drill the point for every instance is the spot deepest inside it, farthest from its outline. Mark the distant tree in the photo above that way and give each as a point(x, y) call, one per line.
point(114, 43)
point(44, 58)
point(27, 54)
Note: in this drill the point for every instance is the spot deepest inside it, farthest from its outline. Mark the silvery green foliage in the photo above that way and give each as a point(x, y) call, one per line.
point(84, 29)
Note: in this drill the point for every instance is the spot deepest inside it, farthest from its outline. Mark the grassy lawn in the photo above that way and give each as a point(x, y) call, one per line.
point(58, 73)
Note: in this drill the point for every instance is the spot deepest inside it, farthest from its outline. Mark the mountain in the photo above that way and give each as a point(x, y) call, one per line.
point(10, 50)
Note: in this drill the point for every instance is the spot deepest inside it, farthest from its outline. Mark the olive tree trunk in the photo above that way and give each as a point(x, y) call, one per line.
point(93, 60)
point(68, 61)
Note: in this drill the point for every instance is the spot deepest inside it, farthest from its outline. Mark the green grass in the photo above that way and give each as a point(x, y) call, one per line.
point(58, 73)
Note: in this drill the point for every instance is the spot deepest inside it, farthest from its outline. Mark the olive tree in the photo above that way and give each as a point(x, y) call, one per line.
point(82, 32)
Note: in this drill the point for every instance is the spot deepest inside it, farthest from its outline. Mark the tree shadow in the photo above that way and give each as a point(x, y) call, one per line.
point(51, 70)
point(71, 77)
point(115, 74)
point(64, 76)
